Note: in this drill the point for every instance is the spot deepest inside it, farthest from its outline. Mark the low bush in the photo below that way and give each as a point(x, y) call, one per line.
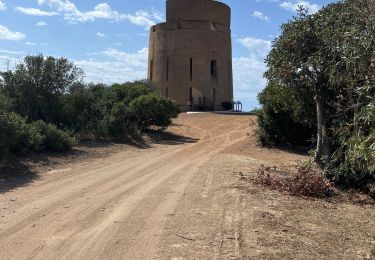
point(152, 110)
point(54, 138)
point(102, 111)
point(17, 136)
point(305, 182)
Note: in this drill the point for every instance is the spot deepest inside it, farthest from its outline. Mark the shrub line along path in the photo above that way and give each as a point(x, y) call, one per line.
point(180, 199)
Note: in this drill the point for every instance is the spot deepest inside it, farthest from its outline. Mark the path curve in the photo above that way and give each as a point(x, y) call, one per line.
point(117, 206)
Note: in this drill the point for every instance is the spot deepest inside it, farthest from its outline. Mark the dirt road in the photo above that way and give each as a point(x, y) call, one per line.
point(115, 207)
point(180, 199)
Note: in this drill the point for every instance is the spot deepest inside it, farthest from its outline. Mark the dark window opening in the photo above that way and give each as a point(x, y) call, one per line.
point(179, 23)
point(191, 69)
point(229, 73)
point(167, 76)
point(191, 94)
point(214, 69)
point(151, 68)
point(214, 94)
point(166, 93)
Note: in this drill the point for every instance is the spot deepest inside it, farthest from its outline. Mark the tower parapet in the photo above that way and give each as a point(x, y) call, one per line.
point(198, 10)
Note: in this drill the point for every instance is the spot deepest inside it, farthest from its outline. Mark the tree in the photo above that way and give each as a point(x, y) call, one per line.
point(37, 85)
point(5, 103)
point(328, 58)
point(295, 63)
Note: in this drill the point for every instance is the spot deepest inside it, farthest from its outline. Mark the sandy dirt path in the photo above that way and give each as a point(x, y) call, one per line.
point(115, 207)
point(181, 199)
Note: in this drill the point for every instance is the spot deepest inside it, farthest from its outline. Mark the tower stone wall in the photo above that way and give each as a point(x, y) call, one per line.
point(190, 55)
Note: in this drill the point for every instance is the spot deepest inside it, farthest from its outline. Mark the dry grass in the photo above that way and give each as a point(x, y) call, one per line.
point(371, 193)
point(306, 181)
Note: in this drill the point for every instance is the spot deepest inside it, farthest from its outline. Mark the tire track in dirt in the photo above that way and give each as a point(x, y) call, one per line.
point(117, 210)
point(117, 193)
point(148, 240)
point(95, 183)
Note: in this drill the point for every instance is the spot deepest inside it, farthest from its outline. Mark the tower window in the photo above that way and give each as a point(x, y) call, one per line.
point(191, 69)
point(230, 77)
point(151, 68)
point(191, 94)
point(229, 73)
point(214, 69)
point(214, 90)
point(166, 93)
point(167, 76)
point(179, 23)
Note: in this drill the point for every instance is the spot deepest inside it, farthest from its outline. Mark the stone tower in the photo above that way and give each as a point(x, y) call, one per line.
point(190, 55)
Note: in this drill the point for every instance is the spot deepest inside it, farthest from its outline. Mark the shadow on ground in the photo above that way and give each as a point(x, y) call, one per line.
point(14, 175)
point(168, 138)
point(298, 150)
point(157, 137)
point(17, 172)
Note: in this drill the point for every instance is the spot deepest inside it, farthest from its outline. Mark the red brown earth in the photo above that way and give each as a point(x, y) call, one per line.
point(181, 198)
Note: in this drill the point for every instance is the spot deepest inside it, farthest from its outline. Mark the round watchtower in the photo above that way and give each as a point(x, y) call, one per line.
point(190, 55)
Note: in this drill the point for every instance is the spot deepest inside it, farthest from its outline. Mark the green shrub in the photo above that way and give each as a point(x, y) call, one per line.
point(353, 162)
point(17, 136)
point(5, 103)
point(54, 138)
point(52, 90)
point(152, 110)
point(284, 119)
point(76, 103)
point(120, 127)
point(129, 91)
point(103, 111)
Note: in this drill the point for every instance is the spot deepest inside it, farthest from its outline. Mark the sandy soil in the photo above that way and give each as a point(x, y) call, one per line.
point(181, 198)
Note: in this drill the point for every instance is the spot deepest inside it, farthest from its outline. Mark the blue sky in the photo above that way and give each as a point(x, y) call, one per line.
point(109, 38)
